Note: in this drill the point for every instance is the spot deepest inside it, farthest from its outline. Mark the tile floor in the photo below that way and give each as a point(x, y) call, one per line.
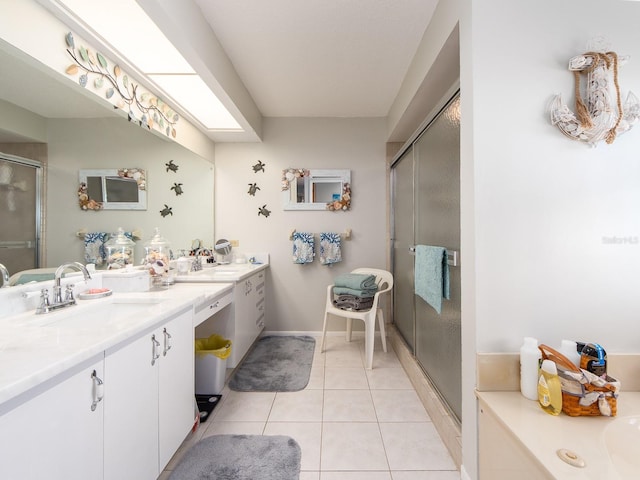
point(351, 423)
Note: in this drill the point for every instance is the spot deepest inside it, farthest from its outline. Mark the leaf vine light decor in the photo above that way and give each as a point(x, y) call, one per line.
point(600, 113)
point(143, 107)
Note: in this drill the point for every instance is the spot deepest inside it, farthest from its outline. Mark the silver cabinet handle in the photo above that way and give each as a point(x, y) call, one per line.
point(154, 349)
point(97, 390)
point(214, 305)
point(167, 342)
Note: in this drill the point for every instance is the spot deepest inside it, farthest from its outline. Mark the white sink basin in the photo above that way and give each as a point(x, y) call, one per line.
point(622, 438)
point(90, 315)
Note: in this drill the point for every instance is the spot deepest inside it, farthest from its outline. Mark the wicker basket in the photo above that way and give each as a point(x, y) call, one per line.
point(576, 392)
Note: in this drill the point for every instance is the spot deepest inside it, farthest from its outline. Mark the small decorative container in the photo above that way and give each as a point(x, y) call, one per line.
point(156, 260)
point(119, 250)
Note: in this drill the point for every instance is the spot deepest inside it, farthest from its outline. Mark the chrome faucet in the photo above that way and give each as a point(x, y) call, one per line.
point(58, 302)
point(5, 276)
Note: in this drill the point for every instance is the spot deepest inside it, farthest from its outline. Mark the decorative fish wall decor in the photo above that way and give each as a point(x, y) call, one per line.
point(600, 113)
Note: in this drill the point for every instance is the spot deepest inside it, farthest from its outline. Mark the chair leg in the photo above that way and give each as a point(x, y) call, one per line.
point(383, 333)
point(370, 335)
point(349, 326)
point(324, 331)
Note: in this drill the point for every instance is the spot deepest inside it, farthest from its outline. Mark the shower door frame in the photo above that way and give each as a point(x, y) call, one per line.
point(39, 170)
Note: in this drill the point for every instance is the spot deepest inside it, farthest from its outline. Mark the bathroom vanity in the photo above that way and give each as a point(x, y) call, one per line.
point(103, 389)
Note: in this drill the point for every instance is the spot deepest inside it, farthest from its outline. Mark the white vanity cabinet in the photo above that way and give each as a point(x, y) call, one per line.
point(249, 304)
point(149, 400)
point(58, 433)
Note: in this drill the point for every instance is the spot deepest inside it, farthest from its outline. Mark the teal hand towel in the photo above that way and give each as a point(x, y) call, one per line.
point(432, 275)
point(357, 292)
point(357, 281)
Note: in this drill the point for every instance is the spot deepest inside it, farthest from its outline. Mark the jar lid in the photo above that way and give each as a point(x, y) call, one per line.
point(158, 241)
point(119, 239)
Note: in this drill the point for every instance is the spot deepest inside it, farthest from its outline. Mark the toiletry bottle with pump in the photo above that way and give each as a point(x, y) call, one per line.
point(529, 365)
point(549, 389)
point(569, 349)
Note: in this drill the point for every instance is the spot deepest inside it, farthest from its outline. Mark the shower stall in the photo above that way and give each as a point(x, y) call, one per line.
point(425, 178)
point(21, 183)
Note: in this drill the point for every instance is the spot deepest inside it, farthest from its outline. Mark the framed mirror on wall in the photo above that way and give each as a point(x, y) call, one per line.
point(113, 189)
point(316, 189)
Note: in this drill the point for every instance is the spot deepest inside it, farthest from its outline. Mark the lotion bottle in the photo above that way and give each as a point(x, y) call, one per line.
point(529, 365)
point(549, 389)
point(570, 350)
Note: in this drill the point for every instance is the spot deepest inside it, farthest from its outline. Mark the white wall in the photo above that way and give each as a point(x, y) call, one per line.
point(116, 143)
point(296, 293)
point(536, 206)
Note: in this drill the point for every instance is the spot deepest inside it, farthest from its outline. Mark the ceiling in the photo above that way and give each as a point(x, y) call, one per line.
point(312, 58)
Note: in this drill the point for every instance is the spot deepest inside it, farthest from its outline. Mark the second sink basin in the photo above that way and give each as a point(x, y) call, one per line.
point(622, 438)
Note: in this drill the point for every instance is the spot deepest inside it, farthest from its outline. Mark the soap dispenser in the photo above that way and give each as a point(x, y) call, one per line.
point(549, 388)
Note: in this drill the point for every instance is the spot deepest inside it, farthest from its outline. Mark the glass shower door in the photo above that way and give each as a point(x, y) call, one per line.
point(20, 186)
point(437, 216)
point(403, 200)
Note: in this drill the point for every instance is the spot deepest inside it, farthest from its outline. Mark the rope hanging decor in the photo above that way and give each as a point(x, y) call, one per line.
point(600, 113)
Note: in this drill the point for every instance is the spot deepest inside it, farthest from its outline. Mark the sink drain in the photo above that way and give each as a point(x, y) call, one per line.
point(571, 458)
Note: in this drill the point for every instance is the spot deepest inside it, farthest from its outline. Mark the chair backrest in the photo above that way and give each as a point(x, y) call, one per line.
point(384, 279)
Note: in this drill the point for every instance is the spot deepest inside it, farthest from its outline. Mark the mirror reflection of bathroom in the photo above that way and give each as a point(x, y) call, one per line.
point(223, 251)
point(313, 189)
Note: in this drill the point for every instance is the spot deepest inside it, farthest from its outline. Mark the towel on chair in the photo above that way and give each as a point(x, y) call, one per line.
point(356, 281)
point(303, 246)
point(353, 302)
point(330, 250)
point(364, 293)
point(432, 275)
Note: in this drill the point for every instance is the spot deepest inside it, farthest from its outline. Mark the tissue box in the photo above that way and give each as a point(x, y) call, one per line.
point(126, 280)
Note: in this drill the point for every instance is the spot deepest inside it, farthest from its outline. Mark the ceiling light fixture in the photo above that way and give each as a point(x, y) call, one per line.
point(144, 46)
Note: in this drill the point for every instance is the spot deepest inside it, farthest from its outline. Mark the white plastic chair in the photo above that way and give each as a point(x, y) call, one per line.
point(384, 280)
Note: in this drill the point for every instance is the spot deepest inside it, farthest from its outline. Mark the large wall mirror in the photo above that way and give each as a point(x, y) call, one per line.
point(113, 189)
point(316, 189)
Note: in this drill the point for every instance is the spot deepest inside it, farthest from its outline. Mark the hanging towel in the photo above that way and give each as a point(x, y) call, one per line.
point(330, 251)
point(356, 281)
point(94, 251)
point(303, 246)
point(432, 275)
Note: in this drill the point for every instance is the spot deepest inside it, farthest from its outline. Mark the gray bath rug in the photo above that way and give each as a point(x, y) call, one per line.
point(276, 364)
point(240, 457)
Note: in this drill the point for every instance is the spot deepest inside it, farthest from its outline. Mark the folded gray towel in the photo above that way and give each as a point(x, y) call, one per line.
point(356, 292)
point(351, 302)
point(356, 281)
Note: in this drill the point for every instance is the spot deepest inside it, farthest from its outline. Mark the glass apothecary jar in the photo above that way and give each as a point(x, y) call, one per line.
point(119, 249)
point(156, 260)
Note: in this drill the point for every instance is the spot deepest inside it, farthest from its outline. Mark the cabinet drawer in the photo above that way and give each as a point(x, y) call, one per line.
point(207, 309)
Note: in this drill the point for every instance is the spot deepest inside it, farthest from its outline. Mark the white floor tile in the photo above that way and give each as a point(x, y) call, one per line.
point(303, 406)
point(345, 378)
point(235, 428)
point(316, 378)
point(415, 446)
point(352, 446)
point(388, 379)
point(348, 406)
point(244, 407)
point(308, 436)
point(427, 475)
point(399, 406)
point(355, 476)
point(347, 355)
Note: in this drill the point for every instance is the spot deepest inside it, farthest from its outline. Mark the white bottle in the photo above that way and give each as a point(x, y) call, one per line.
point(530, 356)
point(569, 349)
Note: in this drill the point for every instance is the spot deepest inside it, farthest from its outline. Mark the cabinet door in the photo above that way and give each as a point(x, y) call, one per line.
point(56, 435)
point(131, 410)
point(259, 301)
point(176, 389)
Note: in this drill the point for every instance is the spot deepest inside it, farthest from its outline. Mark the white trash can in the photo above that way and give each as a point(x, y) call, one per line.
point(211, 364)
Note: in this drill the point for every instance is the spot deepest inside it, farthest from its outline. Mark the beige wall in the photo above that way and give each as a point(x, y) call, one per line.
point(296, 293)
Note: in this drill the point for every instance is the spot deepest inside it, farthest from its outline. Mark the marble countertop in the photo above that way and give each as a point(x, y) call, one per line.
point(35, 348)
point(232, 272)
point(543, 434)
